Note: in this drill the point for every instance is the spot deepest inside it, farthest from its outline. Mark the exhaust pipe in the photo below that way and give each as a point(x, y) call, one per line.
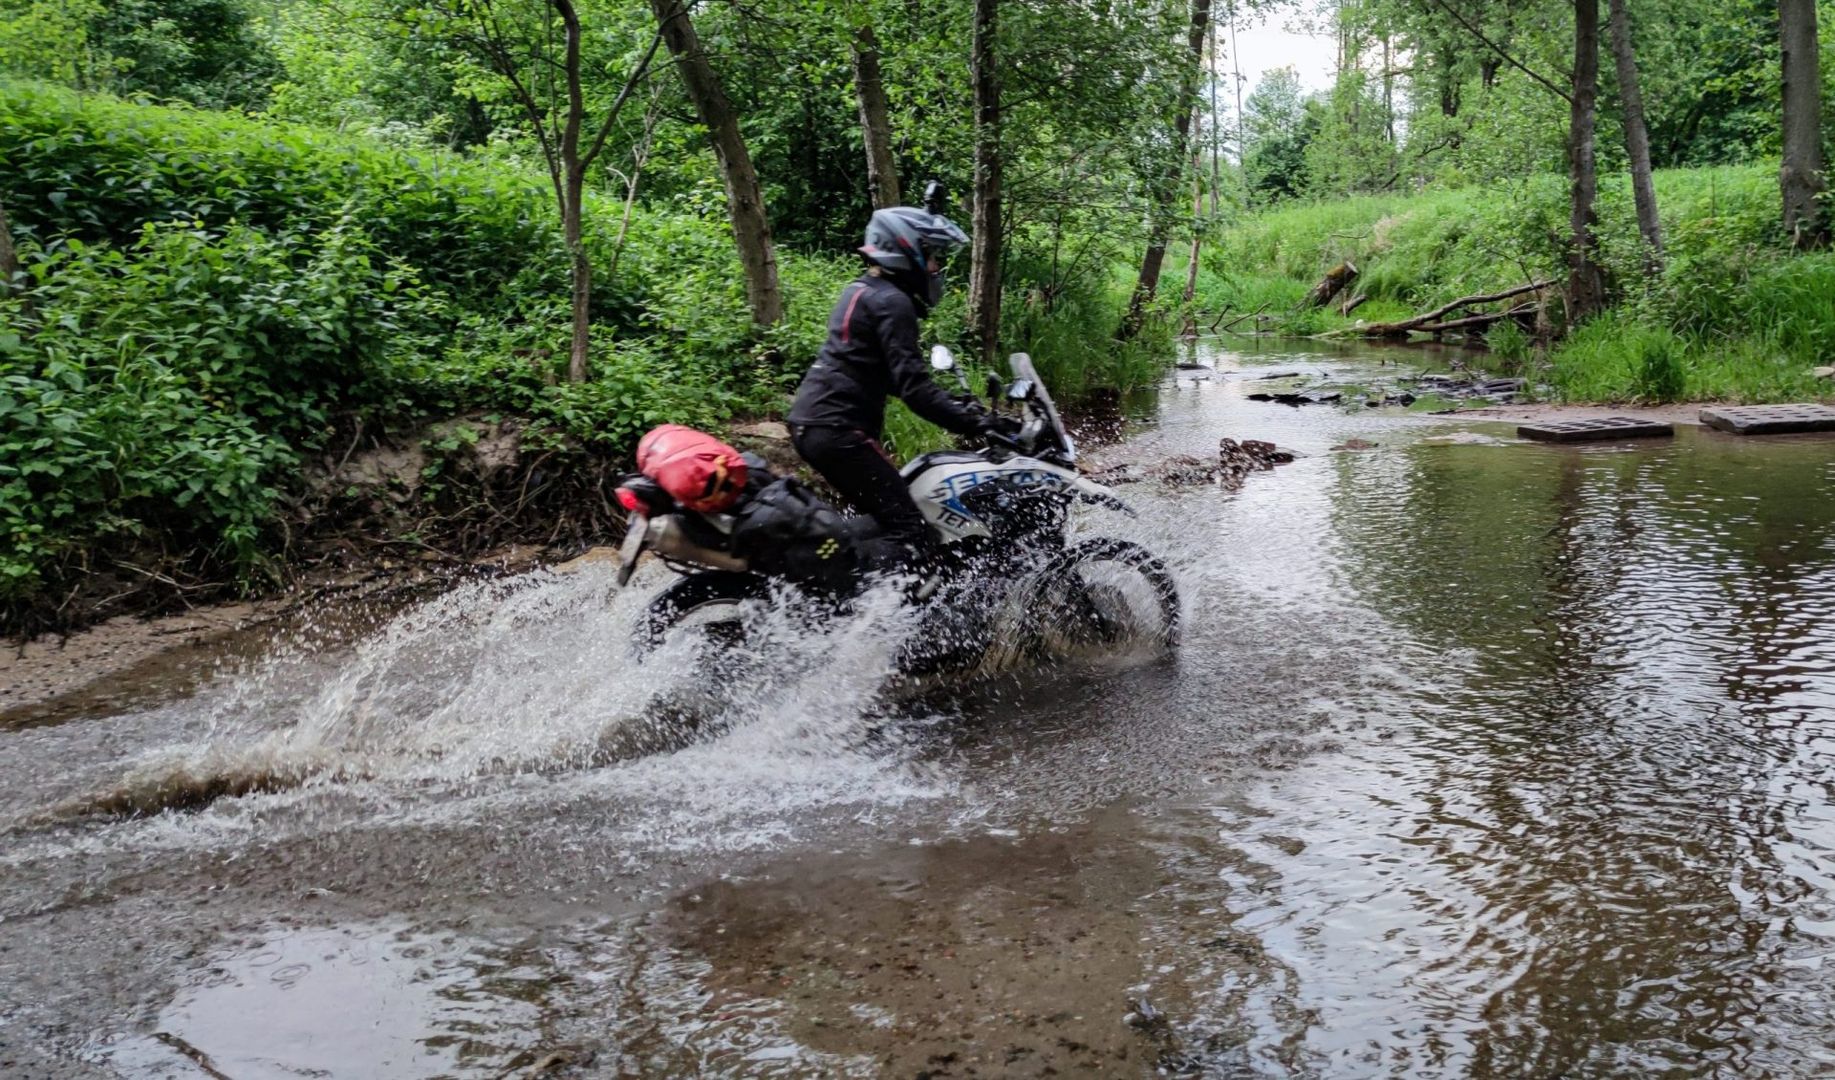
point(667, 538)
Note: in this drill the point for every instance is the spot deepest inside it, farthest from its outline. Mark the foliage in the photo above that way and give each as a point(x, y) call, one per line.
point(207, 52)
point(1277, 128)
point(1733, 315)
point(1462, 114)
point(50, 39)
point(165, 384)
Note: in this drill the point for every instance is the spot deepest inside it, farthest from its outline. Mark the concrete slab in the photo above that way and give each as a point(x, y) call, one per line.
point(1769, 419)
point(1594, 429)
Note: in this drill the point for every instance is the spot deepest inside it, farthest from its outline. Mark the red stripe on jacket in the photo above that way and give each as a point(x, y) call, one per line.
point(847, 320)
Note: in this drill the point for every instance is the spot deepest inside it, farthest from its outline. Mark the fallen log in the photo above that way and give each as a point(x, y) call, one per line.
point(1331, 284)
point(1483, 320)
point(1428, 320)
point(1231, 325)
point(1352, 303)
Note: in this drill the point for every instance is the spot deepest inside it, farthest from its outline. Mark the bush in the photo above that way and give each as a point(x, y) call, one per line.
point(169, 384)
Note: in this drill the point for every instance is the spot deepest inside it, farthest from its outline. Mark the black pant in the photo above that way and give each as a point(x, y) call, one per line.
point(857, 467)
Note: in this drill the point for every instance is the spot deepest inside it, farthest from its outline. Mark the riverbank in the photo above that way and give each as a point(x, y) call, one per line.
point(1734, 315)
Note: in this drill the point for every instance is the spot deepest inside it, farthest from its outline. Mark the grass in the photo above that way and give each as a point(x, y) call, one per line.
point(1733, 316)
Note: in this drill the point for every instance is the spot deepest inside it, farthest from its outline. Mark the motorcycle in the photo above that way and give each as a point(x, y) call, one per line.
point(1001, 513)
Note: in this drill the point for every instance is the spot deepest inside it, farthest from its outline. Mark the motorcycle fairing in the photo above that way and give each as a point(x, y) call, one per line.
point(939, 489)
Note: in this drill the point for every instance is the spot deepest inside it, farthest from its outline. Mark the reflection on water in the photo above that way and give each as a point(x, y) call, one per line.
point(1481, 758)
point(1614, 796)
point(362, 1001)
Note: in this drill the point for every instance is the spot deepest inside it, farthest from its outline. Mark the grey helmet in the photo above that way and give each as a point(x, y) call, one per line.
point(902, 240)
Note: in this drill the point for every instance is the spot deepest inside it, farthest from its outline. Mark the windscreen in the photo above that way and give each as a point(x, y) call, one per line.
point(1023, 369)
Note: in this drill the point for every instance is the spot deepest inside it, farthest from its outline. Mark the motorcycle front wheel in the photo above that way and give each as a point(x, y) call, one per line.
point(1113, 590)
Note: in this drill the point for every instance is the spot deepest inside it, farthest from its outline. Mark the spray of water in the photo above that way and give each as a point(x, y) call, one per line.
point(533, 676)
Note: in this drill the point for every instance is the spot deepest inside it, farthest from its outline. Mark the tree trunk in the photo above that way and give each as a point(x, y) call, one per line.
point(1637, 136)
point(1388, 93)
point(1449, 84)
point(984, 269)
point(1586, 284)
point(745, 204)
point(1801, 177)
point(1431, 321)
point(573, 172)
point(9, 258)
point(1215, 84)
point(1236, 79)
point(1332, 284)
point(1159, 222)
point(875, 122)
point(1197, 208)
point(581, 274)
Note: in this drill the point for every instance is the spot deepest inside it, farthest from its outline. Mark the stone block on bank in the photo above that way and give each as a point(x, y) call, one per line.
point(1593, 430)
point(1769, 419)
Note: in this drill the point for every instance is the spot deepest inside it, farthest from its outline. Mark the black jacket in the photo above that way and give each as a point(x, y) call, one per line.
point(872, 351)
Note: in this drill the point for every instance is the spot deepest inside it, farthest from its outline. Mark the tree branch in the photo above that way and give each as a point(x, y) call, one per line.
point(9, 259)
point(491, 43)
point(624, 93)
point(1499, 50)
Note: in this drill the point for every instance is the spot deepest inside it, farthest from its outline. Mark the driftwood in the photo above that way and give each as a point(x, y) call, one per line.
point(1435, 322)
point(1352, 303)
point(1331, 284)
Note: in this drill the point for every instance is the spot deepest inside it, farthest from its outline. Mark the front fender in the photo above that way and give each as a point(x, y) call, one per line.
point(1090, 491)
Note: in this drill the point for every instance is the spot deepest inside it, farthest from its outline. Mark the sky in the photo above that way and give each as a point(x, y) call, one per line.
point(1273, 45)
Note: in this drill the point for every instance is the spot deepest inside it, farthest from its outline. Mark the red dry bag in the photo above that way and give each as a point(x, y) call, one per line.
point(697, 470)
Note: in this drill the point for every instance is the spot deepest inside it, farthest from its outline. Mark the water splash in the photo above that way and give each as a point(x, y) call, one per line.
point(440, 710)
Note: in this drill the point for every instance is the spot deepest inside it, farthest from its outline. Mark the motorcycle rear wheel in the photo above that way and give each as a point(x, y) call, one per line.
point(720, 596)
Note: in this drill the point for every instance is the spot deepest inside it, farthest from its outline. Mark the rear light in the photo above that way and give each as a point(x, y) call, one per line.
point(641, 495)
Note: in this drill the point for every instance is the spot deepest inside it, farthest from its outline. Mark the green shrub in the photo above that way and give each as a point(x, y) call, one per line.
point(1656, 363)
point(169, 384)
point(1509, 342)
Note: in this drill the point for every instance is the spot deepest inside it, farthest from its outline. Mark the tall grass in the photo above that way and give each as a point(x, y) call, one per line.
point(1733, 315)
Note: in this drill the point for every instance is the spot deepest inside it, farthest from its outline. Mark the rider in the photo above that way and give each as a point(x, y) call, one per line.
point(872, 351)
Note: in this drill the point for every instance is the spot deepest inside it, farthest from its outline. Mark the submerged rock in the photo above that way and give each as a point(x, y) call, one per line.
point(1326, 397)
point(1235, 460)
point(1142, 1015)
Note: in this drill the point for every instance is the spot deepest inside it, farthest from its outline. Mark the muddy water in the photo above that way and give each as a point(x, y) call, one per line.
point(1480, 758)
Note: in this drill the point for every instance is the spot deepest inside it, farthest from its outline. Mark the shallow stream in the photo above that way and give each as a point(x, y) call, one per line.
point(1480, 758)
